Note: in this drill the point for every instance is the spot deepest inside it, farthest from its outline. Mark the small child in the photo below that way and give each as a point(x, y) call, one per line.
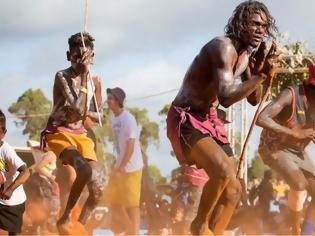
point(14, 173)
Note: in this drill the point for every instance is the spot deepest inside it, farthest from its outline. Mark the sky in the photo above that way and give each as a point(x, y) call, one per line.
point(142, 46)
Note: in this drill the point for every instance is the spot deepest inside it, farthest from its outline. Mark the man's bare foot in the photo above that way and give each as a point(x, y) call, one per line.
point(198, 228)
point(66, 227)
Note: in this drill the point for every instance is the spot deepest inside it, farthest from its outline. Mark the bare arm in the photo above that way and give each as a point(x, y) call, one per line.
point(254, 97)
point(20, 179)
point(228, 91)
point(128, 153)
point(98, 94)
point(48, 157)
point(266, 120)
point(78, 104)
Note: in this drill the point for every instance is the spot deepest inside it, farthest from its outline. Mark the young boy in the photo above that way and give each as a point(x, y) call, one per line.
point(12, 197)
point(75, 88)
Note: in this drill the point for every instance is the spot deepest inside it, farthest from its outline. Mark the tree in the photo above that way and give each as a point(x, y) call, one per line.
point(32, 109)
point(155, 174)
point(164, 110)
point(149, 129)
point(257, 168)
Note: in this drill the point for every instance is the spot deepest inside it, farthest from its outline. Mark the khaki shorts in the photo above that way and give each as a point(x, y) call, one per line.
point(124, 190)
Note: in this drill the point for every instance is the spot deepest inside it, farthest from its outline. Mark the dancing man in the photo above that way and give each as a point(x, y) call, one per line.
point(75, 88)
point(191, 127)
point(289, 123)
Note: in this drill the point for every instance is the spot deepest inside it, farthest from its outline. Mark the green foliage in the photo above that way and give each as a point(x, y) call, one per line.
point(149, 129)
point(257, 168)
point(155, 174)
point(164, 110)
point(29, 103)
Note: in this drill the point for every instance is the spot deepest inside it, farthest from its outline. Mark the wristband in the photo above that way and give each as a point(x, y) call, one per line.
point(83, 90)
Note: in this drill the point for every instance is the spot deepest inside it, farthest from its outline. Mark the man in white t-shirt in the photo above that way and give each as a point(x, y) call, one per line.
point(123, 191)
point(14, 173)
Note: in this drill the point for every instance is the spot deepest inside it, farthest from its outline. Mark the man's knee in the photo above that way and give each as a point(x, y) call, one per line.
point(84, 170)
point(74, 158)
point(225, 171)
point(296, 200)
point(233, 191)
point(298, 184)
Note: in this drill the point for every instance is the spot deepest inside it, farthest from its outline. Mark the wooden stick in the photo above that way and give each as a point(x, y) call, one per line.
point(264, 98)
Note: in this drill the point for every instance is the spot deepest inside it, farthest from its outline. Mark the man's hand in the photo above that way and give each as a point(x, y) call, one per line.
point(264, 61)
point(257, 59)
point(118, 172)
point(6, 195)
point(271, 61)
point(305, 134)
point(86, 60)
point(88, 122)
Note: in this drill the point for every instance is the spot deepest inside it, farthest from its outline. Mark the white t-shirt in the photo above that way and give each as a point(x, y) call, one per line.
point(125, 127)
point(9, 163)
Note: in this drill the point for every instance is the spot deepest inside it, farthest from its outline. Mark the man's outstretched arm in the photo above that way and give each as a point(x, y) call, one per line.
point(266, 120)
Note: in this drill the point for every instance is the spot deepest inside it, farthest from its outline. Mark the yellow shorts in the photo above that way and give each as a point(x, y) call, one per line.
point(61, 140)
point(125, 190)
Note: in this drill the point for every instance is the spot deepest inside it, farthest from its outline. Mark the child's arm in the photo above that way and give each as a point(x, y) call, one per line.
point(20, 179)
point(39, 168)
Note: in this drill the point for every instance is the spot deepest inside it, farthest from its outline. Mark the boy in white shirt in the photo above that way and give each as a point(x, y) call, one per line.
point(14, 173)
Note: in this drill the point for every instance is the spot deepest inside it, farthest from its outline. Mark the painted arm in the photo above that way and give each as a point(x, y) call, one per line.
point(78, 104)
point(40, 167)
point(98, 94)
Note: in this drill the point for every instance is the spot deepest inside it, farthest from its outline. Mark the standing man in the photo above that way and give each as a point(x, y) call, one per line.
point(74, 89)
point(212, 76)
point(123, 191)
point(289, 123)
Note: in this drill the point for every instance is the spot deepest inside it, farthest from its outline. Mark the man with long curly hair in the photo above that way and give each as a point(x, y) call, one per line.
point(193, 126)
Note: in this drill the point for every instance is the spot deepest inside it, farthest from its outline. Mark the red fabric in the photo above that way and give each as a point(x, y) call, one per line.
point(194, 176)
point(207, 123)
point(311, 78)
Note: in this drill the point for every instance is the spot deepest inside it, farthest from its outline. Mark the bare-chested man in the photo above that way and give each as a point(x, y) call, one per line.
point(212, 76)
point(289, 123)
point(75, 91)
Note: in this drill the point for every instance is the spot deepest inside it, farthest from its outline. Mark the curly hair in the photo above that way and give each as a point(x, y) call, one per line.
point(239, 21)
point(76, 40)
point(2, 120)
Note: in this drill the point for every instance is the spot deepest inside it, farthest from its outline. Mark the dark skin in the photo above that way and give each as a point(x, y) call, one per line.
point(282, 104)
point(81, 60)
point(211, 77)
point(295, 178)
point(213, 72)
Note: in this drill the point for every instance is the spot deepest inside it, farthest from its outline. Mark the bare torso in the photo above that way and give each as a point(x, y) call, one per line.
point(199, 89)
point(65, 93)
